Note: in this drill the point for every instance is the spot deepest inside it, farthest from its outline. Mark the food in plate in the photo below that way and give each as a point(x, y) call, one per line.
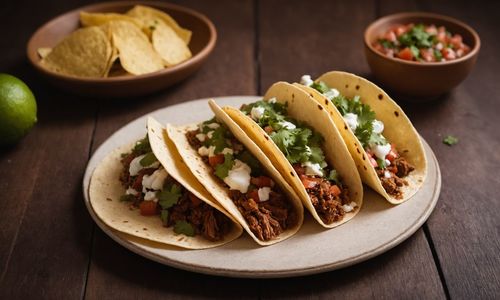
point(240, 176)
point(303, 143)
point(421, 43)
point(141, 41)
point(145, 190)
point(384, 144)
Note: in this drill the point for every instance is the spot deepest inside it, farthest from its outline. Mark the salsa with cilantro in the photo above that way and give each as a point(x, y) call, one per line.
point(421, 43)
point(149, 188)
point(302, 147)
point(261, 202)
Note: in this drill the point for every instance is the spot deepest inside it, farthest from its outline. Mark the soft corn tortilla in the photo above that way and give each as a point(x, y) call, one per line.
point(204, 174)
point(397, 129)
point(105, 190)
point(301, 108)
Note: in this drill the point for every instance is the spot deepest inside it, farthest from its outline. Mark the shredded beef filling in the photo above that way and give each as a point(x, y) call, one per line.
point(397, 170)
point(267, 219)
point(207, 221)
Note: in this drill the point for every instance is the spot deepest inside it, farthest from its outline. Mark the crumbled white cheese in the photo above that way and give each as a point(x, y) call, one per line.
point(238, 178)
point(204, 151)
point(387, 162)
point(135, 165)
point(381, 151)
point(331, 93)
point(313, 169)
point(378, 126)
point(131, 191)
point(213, 125)
point(351, 120)
point(306, 80)
point(227, 151)
point(156, 180)
point(349, 207)
point(387, 174)
point(287, 125)
point(257, 112)
point(264, 193)
point(210, 134)
point(201, 137)
point(150, 196)
point(272, 100)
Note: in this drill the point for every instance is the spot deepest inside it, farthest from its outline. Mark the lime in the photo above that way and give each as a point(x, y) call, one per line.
point(17, 109)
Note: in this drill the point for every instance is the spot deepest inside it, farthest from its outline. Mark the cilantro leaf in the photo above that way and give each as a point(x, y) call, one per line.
point(414, 50)
point(183, 227)
point(333, 176)
point(164, 216)
point(169, 196)
point(450, 140)
point(320, 86)
point(218, 139)
point(316, 155)
point(381, 163)
point(142, 146)
point(246, 157)
point(222, 170)
point(148, 160)
point(438, 55)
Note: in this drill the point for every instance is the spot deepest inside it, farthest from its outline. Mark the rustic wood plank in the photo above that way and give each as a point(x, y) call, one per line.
point(465, 227)
point(313, 37)
point(45, 231)
point(116, 272)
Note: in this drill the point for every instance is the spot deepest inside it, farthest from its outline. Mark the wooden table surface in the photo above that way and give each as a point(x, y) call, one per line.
point(50, 248)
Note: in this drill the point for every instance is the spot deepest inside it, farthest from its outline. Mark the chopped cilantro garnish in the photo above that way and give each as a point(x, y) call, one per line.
point(142, 147)
point(320, 86)
point(381, 163)
point(183, 227)
point(169, 196)
point(450, 140)
point(438, 55)
point(148, 160)
point(221, 170)
point(416, 37)
point(333, 176)
point(164, 216)
point(219, 139)
point(127, 198)
point(246, 157)
point(414, 50)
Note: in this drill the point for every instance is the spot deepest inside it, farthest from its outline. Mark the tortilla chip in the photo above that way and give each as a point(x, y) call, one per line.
point(97, 19)
point(136, 54)
point(43, 51)
point(84, 53)
point(146, 14)
point(169, 45)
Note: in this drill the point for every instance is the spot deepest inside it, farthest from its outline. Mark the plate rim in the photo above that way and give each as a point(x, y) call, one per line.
point(121, 238)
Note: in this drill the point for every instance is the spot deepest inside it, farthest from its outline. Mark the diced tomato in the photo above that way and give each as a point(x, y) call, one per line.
point(148, 208)
point(335, 190)
point(299, 169)
point(448, 53)
point(268, 129)
point(372, 160)
point(195, 200)
point(401, 29)
point(393, 154)
point(390, 36)
point(405, 54)
point(431, 30)
point(456, 41)
point(309, 182)
point(262, 181)
point(253, 194)
point(216, 159)
point(427, 54)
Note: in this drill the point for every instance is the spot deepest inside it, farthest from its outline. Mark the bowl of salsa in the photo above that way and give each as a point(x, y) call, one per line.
point(422, 55)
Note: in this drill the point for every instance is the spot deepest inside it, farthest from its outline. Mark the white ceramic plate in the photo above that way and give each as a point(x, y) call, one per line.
point(378, 227)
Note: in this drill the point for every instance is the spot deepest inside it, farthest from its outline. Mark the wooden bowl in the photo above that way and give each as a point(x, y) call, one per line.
point(420, 79)
point(202, 43)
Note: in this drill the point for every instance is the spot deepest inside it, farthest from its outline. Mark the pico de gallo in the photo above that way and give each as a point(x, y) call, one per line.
point(302, 147)
point(421, 43)
point(390, 166)
point(260, 200)
point(150, 189)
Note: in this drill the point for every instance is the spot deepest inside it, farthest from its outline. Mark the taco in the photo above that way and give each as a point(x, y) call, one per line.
point(145, 190)
point(384, 144)
point(242, 179)
point(304, 145)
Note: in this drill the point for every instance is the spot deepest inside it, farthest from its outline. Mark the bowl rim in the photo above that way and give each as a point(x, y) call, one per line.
point(96, 6)
point(387, 18)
